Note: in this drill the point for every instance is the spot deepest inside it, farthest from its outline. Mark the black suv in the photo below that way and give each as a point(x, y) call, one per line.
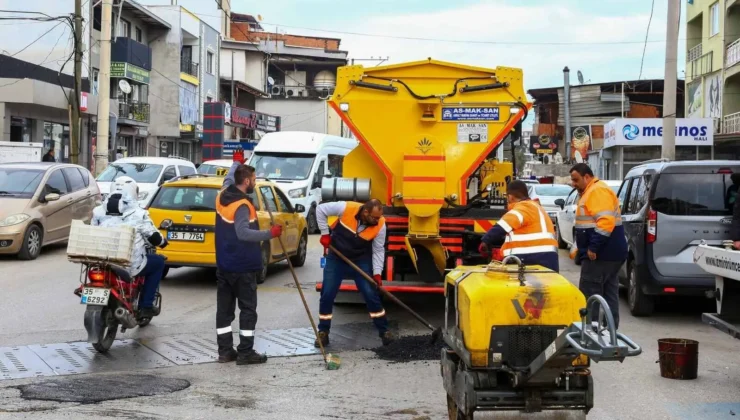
point(667, 209)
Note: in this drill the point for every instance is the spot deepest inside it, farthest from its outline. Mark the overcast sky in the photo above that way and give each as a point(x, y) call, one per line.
point(602, 38)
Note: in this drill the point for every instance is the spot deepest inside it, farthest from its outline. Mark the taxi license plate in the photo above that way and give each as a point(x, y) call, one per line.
point(95, 296)
point(186, 236)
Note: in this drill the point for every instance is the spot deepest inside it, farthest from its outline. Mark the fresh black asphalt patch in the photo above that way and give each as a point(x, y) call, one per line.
point(410, 348)
point(95, 389)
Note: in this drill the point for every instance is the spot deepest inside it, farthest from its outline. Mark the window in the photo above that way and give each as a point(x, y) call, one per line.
point(140, 172)
point(209, 98)
point(552, 190)
point(56, 184)
point(184, 151)
point(284, 202)
point(571, 198)
point(139, 35)
point(85, 176)
point(169, 173)
point(714, 19)
point(186, 170)
point(124, 29)
point(335, 165)
point(633, 201)
point(209, 62)
point(97, 14)
point(19, 182)
point(269, 198)
point(293, 166)
point(186, 198)
point(319, 176)
point(642, 193)
point(76, 183)
point(96, 74)
point(692, 194)
point(622, 195)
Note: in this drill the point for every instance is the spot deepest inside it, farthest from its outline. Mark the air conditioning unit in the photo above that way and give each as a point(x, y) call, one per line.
point(277, 90)
point(297, 82)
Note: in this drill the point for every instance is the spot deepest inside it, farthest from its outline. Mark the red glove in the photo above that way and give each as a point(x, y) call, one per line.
point(276, 230)
point(483, 250)
point(239, 156)
point(498, 255)
point(378, 280)
point(325, 241)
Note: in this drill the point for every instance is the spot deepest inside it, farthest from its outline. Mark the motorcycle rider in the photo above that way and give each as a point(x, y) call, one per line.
point(121, 208)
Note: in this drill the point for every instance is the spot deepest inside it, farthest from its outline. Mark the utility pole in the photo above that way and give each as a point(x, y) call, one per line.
point(101, 152)
point(668, 151)
point(74, 99)
point(566, 105)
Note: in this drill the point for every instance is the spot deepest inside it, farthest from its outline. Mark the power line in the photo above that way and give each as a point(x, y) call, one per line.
point(647, 33)
point(36, 40)
point(38, 65)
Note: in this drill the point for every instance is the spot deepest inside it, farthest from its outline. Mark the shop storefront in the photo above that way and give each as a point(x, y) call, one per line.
point(631, 141)
point(226, 128)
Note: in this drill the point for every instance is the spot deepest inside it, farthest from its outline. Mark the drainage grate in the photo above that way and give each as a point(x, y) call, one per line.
point(72, 358)
point(183, 350)
point(21, 362)
point(290, 342)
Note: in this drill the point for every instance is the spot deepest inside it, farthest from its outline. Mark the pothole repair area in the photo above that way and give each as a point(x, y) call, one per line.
point(95, 389)
point(410, 348)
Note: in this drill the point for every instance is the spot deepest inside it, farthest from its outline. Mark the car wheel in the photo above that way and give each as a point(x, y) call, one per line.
point(300, 257)
point(265, 262)
point(31, 247)
point(559, 237)
point(639, 303)
point(313, 224)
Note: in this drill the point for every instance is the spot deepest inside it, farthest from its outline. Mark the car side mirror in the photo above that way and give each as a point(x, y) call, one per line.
point(299, 208)
point(560, 203)
point(48, 198)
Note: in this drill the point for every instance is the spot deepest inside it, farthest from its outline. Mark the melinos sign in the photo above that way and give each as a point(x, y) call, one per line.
point(649, 132)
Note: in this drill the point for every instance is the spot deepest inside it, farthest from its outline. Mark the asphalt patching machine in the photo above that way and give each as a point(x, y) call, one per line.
point(522, 338)
point(724, 263)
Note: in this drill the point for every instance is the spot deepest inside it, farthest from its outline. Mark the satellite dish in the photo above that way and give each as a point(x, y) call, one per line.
point(270, 81)
point(579, 158)
point(124, 86)
point(580, 77)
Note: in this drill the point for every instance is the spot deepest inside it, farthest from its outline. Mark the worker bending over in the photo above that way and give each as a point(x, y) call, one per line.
point(602, 246)
point(525, 231)
point(359, 234)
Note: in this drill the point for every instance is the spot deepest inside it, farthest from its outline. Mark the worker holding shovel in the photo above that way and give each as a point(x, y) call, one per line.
point(359, 234)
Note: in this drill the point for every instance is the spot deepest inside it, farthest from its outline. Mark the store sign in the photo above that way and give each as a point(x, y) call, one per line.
point(129, 71)
point(255, 120)
point(649, 132)
point(83, 101)
point(543, 145)
point(470, 114)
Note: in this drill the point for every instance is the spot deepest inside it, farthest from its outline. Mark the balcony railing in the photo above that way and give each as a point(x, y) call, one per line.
point(126, 50)
point(731, 123)
point(700, 66)
point(136, 111)
point(188, 67)
point(732, 55)
point(694, 53)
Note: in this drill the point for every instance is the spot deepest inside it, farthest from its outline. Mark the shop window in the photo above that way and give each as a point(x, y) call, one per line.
point(140, 147)
point(184, 150)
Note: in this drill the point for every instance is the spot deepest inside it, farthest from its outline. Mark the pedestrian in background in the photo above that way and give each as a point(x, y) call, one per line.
point(600, 240)
point(49, 156)
point(239, 262)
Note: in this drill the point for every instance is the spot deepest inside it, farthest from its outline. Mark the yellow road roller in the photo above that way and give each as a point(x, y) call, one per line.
point(522, 338)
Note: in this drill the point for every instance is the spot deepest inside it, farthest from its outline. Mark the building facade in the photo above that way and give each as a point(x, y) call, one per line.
point(281, 75)
point(187, 68)
point(713, 70)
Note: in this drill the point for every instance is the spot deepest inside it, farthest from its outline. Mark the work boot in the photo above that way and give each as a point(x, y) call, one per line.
point(251, 358)
point(147, 313)
point(387, 338)
point(230, 356)
point(324, 337)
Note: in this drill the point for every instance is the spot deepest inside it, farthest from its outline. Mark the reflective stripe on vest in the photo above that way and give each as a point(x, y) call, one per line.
point(590, 221)
point(535, 233)
point(349, 221)
point(228, 213)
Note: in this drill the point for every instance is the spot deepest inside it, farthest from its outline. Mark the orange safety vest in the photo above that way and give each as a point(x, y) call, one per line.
point(347, 240)
point(529, 230)
point(350, 222)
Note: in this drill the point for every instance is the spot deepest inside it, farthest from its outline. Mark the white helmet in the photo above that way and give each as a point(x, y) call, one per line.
point(125, 185)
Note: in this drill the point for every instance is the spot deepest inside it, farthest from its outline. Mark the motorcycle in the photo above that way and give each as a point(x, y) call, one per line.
point(100, 281)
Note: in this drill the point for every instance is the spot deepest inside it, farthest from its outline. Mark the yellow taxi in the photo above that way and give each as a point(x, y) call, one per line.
point(185, 211)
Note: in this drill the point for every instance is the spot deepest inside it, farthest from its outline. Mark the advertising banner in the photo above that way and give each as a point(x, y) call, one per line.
point(649, 132)
point(580, 141)
point(543, 145)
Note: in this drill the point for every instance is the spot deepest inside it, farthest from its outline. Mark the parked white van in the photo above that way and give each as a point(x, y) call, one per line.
point(298, 161)
point(148, 172)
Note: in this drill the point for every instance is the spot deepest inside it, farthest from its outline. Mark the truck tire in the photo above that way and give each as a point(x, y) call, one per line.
point(639, 303)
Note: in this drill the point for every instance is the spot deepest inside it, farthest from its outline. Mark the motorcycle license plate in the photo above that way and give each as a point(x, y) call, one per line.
point(95, 296)
point(186, 236)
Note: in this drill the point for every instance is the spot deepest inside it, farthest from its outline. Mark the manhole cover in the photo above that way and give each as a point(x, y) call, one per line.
point(94, 389)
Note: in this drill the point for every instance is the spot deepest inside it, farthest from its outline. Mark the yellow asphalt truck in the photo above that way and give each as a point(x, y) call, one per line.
point(428, 133)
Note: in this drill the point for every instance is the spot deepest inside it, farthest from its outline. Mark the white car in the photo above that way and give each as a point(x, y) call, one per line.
point(547, 194)
point(148, 172)
point(566, 215)
point(211, 167)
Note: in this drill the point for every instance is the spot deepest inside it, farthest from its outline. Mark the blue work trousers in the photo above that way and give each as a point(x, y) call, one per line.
point(337, 270)
point(152, 273)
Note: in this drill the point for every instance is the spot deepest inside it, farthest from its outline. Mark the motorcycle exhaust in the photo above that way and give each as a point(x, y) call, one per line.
point(126, 318)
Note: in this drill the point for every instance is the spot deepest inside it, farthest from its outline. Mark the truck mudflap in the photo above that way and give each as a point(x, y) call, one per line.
point(394, 287)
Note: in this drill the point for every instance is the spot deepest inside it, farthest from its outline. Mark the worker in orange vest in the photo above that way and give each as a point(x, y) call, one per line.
point(525, 231)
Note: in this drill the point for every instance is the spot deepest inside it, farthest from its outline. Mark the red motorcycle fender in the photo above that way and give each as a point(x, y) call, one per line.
point(94, 323)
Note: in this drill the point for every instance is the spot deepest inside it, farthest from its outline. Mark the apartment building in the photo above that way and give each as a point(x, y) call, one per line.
point(280, 77)
point(186, 69)
point(713, 70)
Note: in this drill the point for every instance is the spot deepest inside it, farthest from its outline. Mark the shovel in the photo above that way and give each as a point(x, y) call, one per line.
point(436, 332)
